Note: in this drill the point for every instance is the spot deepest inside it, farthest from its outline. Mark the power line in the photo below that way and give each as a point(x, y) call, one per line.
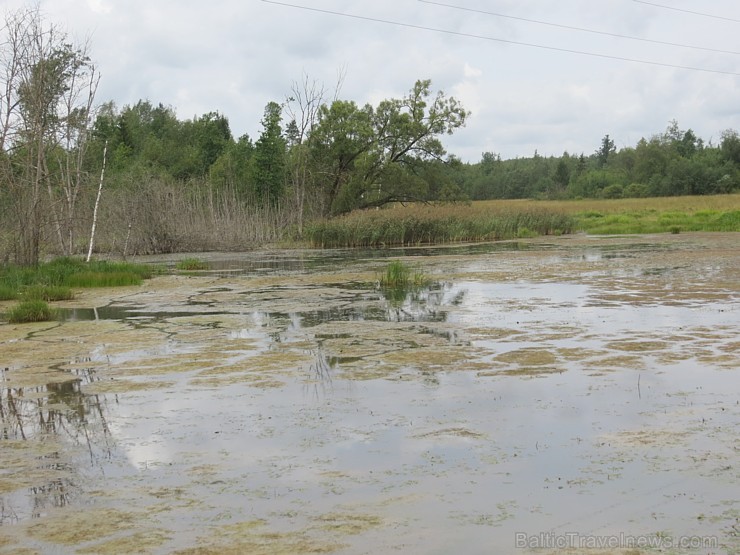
point(573, 28)
point(506, 41)
point(688, 11)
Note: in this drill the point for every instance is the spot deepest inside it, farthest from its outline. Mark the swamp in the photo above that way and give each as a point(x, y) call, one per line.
point(281, 401)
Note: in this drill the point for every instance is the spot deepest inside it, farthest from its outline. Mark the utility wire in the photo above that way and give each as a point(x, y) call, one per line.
point(572, 28)
point(688, 11)
point(482, 37)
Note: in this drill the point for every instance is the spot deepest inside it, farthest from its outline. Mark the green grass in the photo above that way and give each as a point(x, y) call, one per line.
point(653, 221)
point(46, 293)
point(398, 274)
point(53, 281)
point(398, 280)
point(189, 264)
point(74, 272)
point(8, 293)
point(104, 279)
point(30, 311)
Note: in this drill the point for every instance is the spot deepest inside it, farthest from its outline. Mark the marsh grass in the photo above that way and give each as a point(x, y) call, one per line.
point(190, 264)
point(398, 280)
point(423, 224)
point(46, 293)
point(52, 281)
point(399, 275)
point(8, 293)
point(35, 310)
point(104, 279)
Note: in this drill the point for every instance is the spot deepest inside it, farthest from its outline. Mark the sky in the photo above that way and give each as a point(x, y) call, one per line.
point(544, 75)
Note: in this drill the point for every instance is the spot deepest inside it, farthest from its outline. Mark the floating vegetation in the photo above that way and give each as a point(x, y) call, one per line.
point(191, 264)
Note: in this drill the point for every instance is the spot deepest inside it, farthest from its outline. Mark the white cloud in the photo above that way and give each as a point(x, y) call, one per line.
point(237, 55)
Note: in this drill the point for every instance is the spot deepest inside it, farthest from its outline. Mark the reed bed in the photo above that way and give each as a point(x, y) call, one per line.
point(419, 225)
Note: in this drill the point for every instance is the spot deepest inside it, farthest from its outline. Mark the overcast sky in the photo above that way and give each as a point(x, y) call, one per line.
point(235, 56)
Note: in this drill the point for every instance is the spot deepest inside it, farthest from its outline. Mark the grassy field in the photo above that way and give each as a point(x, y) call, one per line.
point(641, 215)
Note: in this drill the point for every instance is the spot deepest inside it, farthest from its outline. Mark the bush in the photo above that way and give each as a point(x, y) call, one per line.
point(635, 190)
point(613, 191)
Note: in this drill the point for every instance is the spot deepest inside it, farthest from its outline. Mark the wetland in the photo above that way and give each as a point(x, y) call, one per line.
point(282, 402)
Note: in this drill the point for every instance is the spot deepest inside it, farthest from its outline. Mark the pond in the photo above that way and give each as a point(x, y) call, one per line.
point(572, 392)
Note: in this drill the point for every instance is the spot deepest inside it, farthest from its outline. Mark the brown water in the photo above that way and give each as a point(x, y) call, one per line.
point(573, 391)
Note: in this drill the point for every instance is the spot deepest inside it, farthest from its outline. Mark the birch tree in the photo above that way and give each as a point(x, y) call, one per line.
point(47, 89)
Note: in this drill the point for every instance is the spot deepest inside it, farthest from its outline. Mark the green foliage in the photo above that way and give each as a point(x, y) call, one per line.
point(30, 311)
point(189, 264)
point(613, 191)
point(372, 156)
point(269, 159)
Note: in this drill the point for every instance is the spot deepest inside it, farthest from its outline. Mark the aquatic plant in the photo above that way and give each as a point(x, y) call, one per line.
point(399, 275)
point(189, 264)
point(30, 311)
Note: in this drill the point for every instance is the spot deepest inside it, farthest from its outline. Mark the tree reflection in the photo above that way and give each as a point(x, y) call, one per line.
point(53, 420)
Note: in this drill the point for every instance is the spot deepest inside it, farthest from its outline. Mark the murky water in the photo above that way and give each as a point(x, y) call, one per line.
point(572, 391)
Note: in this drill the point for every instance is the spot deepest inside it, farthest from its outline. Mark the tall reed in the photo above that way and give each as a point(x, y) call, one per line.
point(417, 225)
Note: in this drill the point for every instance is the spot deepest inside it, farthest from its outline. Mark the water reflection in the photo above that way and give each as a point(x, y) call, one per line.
point(41, 423)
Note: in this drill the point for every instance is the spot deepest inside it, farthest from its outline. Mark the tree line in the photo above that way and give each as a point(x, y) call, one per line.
point(167, 179)
point(674, 162)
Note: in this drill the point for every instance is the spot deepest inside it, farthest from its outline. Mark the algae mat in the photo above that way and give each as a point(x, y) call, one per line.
point(573, 394)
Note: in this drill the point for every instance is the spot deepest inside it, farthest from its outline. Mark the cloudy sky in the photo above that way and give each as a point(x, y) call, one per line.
point(536, 74)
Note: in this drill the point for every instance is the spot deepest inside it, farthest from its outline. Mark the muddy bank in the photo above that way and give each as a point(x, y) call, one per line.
point(574, 387)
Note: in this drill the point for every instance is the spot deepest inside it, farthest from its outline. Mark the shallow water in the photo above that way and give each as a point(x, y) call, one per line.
point(572, 385)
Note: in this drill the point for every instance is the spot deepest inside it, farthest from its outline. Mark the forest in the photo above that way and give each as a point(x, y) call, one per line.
point(153, 182)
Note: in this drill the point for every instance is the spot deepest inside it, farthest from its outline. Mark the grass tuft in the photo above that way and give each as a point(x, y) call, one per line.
point(30, 311)
point(399, 275)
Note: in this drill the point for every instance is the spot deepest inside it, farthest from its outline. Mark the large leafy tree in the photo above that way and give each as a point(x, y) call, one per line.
point(372, 156)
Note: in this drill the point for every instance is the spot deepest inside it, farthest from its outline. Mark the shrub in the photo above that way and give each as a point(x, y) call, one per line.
point(612, 191)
